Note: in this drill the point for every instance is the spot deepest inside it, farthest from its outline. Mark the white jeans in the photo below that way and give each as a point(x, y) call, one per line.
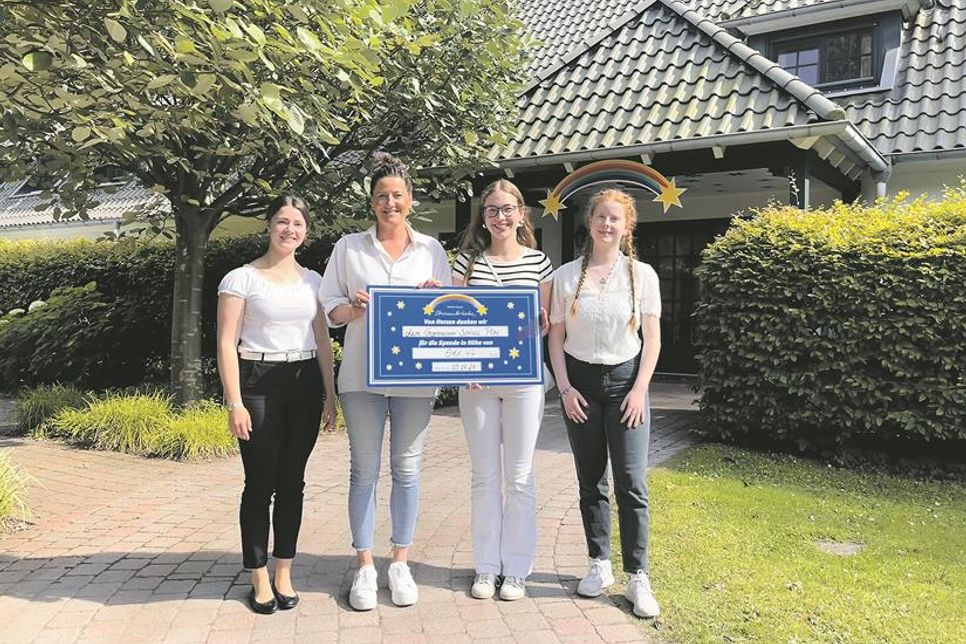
point(501, 425)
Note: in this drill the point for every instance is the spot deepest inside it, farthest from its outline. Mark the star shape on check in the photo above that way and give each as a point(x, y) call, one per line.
point(481, 309)
point(428, 309)
point(419, 365)
point(509, 305)
point(395, 351)
point(514, 353)
point(521, 315)
point(400, 304)
point(388, 367)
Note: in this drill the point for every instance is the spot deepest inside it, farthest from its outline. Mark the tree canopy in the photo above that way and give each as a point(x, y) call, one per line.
point(218, 105)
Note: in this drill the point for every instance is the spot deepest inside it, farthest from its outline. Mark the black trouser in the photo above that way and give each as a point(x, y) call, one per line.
point(604, 387)
point(285, 403)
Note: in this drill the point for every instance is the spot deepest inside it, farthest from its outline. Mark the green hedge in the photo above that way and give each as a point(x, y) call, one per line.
point(844, 327)
point(132, 294)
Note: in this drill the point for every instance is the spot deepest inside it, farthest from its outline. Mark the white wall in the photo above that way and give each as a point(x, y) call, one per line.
point(58, 231)
point(919, 175)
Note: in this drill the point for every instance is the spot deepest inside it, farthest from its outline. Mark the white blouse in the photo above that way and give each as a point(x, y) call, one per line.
point(359, 260)
point(277, 317)
point(599, 332)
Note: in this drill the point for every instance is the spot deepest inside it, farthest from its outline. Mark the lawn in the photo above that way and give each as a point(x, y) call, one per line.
point(739, 552)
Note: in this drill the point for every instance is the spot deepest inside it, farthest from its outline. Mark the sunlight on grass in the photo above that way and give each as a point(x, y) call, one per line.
point(735, 552)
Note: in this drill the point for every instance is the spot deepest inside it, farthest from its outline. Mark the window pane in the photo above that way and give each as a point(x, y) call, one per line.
point(787, 59)
point(867, 44)
point(866, 66)
point(809, 74)
point(808, 57)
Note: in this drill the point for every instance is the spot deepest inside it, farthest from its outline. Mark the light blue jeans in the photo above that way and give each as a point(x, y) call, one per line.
point(365, 418)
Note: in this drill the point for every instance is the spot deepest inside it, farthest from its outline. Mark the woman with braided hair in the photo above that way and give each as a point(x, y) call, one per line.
point(602, 305)
point(501, 423)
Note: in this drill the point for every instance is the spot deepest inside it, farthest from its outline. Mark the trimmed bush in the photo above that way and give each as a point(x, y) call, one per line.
point(146, 425)
point(35, 406)
point(12, 503)
point(134, 282)
point(844, 327)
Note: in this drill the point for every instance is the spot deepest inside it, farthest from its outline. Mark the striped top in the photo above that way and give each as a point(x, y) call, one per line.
point(533, 268)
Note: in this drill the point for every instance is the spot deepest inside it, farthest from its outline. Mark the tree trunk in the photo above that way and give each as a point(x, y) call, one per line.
point(193, 228)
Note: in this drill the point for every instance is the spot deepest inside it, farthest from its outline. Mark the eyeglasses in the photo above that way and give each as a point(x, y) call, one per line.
point(507, 210)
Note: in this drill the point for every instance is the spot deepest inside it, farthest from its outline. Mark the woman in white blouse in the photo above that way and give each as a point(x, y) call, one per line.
point(274, 359)
point(389, 253)
point(501, 423)
point(600, 305)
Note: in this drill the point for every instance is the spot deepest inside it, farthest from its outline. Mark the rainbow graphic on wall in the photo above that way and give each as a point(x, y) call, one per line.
point(459, 297)
point(610, 171)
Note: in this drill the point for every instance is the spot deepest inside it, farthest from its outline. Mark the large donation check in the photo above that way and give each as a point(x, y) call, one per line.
point(454, 336)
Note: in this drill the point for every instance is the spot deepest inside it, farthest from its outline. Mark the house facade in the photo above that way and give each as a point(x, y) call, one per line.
point(743, 102)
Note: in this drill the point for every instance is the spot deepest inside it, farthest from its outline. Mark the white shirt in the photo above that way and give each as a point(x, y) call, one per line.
point(359, 260)
point(277, 317)
point(599, 333)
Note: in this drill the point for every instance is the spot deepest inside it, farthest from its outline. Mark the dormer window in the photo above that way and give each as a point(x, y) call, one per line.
point(831, 60)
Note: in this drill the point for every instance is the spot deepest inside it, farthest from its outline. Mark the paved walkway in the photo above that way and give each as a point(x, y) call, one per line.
point(124, 549)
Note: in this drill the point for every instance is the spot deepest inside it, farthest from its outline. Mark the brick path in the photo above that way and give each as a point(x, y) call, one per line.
point(124, 549)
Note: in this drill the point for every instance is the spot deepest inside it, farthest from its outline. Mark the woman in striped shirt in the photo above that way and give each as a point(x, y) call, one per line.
point(501, 423)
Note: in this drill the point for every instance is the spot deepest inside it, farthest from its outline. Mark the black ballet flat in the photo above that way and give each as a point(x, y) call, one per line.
point(284, 601)
point(267, 608)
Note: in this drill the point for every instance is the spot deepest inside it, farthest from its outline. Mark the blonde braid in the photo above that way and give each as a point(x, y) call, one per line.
point(629, 250)
point(583, 275)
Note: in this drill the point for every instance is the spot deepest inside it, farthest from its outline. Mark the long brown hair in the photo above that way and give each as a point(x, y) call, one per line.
point(627, 244)
point(476, 238)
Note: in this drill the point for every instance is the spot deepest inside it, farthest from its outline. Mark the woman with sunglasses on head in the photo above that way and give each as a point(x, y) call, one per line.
point(601, 304)
point(391, 252)
point(502, 422)
point(274, 359)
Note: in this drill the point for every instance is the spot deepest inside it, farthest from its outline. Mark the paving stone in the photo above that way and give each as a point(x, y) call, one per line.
point(125, 550)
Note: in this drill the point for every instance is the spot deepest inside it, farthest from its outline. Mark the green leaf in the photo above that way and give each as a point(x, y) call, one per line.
point(38, 61)
point(161, 81)
point(184, 45)
point(296, 120)
point(309, 39)
point(221, 5)
point(80, 133)
point(204, 84)
point(247, 113)
point(115, 30)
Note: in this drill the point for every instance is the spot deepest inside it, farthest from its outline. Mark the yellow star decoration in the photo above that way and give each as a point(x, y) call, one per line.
point(670, 196)
point(395, 351)
point(552, 205)
point(521, 315)
point(509, 305)
point(428, 309)
point(514, 353)
point(481, 309)
point(400, 304)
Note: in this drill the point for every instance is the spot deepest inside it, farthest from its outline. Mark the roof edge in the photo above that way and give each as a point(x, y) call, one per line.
point(824, 12)
point(844, 130)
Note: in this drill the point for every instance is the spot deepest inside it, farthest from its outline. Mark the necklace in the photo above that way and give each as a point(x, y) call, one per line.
point(603, 279)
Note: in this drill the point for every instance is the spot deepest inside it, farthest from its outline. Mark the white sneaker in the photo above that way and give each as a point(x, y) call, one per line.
point(513, 588)
point(362, 596)
point(599, 576)
point(401, 584)
point(639, 593)
point(484, 586)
